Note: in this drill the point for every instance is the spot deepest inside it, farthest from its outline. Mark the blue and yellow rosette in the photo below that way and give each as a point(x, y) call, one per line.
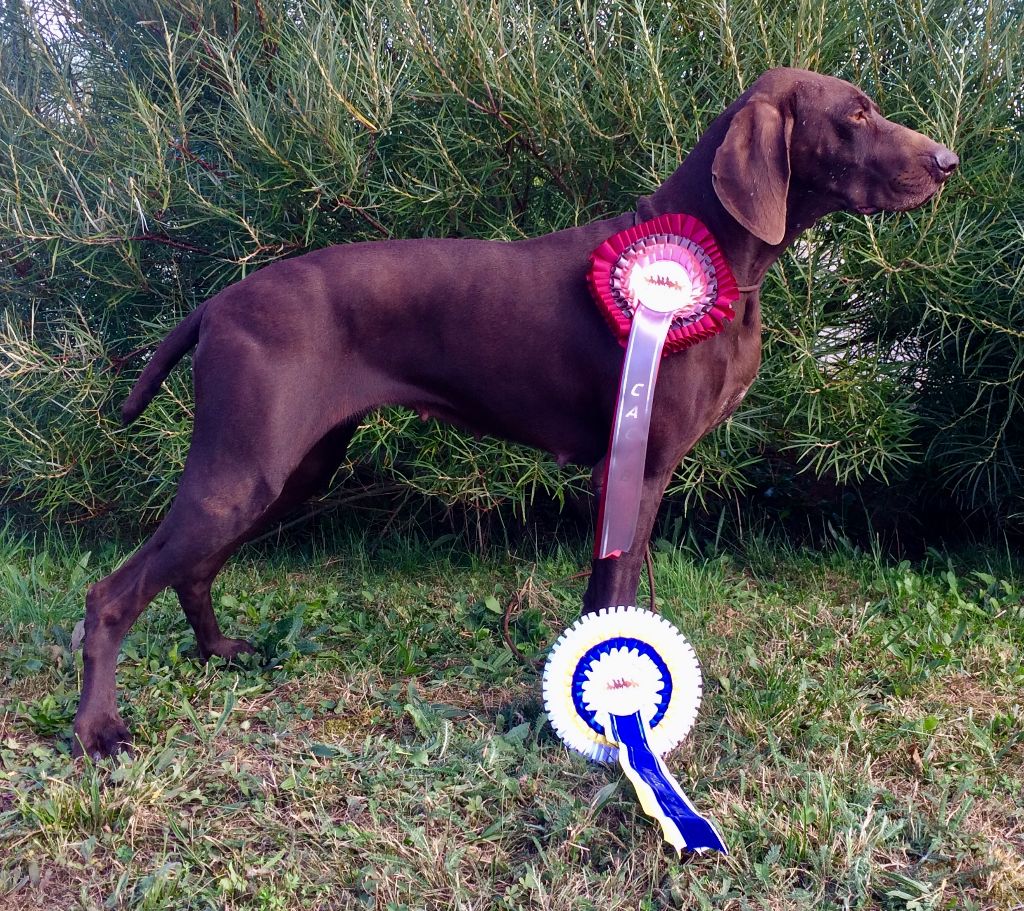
point(623, 683)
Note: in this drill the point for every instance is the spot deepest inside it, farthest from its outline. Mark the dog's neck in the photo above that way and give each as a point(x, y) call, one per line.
point(689, 190)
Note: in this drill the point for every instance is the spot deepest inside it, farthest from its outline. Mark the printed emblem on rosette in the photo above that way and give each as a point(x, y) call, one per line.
point(620, 682)
point(666, 273)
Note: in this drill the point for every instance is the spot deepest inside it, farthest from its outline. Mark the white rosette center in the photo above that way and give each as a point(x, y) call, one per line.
point(621, 682)
point(664, 278)
point(663, 285)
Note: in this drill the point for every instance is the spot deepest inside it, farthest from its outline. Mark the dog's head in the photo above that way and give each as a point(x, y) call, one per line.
point(800, 140)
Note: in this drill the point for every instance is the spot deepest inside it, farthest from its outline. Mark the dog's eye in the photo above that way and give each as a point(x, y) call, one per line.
point(859, 116)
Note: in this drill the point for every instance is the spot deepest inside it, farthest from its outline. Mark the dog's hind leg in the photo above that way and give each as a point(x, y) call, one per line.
point(195, 538)
point(194, 593)
point(237, 471)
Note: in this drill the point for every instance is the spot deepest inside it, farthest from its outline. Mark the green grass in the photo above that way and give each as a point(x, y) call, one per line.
point(860, 743)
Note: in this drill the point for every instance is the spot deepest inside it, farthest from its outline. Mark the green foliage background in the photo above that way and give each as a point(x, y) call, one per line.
point(152, 152)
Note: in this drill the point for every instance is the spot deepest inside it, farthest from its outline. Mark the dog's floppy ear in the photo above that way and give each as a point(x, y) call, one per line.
point(751, 169)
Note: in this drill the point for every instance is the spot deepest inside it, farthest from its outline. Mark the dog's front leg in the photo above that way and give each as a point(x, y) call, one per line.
point(614, 580)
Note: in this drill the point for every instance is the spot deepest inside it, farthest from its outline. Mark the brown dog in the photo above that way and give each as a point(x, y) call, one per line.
point(499, 337)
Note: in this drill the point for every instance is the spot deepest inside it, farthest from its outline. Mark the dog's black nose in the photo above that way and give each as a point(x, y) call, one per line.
point(947, 161)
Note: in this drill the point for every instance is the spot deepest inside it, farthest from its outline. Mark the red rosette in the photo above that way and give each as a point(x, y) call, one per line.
point(685, 241)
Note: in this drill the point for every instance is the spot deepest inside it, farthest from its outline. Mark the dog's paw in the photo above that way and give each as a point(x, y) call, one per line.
point(228, 648)
point(100, 737)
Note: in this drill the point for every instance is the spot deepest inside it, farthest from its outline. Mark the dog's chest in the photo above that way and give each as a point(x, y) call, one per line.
point(731, 403)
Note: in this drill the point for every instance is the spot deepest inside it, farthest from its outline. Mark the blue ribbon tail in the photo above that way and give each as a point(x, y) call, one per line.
point(659, 793)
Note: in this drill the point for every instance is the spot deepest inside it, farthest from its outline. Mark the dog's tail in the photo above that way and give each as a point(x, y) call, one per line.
point(171, 350)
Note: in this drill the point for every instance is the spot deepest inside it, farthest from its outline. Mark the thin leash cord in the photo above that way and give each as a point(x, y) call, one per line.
point(515, 602)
